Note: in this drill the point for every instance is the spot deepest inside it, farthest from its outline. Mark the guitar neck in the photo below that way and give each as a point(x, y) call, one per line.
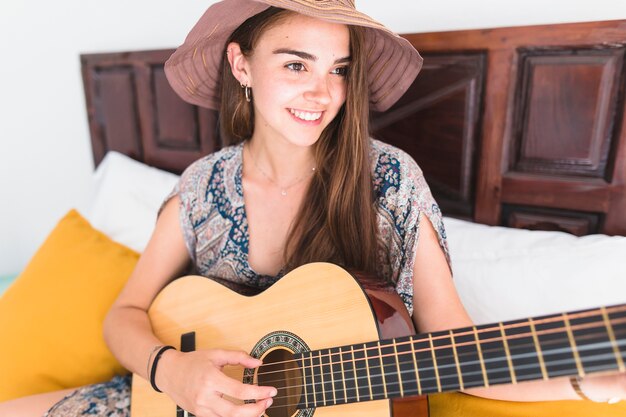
point(576, 343)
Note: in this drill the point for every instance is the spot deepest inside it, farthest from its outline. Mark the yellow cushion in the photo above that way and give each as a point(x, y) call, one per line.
point(51, 317)
point(463, 405)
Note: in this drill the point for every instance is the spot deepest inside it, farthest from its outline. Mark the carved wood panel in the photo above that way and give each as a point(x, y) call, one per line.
point(532, 218)
point(114, 116)
point(553, 135)
point(437, 122)
point(133, 110)
point(565, 110)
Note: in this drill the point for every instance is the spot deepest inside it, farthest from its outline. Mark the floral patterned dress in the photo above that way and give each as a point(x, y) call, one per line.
point(215, 227)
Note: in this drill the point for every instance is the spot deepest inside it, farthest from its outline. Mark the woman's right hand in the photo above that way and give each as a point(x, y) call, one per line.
point(196, 383)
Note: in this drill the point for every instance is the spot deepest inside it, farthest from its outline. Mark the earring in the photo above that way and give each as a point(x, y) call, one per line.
point(247, 91)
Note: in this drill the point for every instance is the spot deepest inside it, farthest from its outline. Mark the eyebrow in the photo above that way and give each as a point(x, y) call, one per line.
point(306, 55)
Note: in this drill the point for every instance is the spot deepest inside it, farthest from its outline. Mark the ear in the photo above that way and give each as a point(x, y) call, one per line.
point(238, 64)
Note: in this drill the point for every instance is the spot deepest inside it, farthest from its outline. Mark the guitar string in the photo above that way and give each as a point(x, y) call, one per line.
point(517, 356)
point(586, 326)
point(494, 381)
point(587, 366)
point(460, 355)
point(496, 328)
point(425, 381)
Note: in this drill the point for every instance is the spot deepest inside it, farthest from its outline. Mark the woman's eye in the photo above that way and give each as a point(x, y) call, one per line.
point(343, 71)
point(296, 66)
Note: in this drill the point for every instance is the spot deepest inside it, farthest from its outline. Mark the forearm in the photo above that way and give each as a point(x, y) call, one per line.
point(129, 335)
point(555, 389)
point(600, 388)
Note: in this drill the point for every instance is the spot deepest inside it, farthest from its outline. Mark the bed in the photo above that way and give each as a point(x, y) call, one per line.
point(520, 132)
point(521, 128)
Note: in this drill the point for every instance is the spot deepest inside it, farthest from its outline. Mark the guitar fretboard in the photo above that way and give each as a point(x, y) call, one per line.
point(541, 348)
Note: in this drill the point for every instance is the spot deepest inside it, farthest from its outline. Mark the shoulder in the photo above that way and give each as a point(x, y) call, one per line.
point(205, 171)
point(394, 169)
point(219, 159)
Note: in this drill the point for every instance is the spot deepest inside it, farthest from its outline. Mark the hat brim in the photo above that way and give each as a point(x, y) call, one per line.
point(194, 70)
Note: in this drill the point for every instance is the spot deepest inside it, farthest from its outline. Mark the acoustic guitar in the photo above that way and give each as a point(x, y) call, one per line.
point(335, 344)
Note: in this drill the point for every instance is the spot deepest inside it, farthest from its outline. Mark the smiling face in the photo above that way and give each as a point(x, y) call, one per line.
point(297, 73)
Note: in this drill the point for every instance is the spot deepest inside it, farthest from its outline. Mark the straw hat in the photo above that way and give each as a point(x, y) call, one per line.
point(194, 70)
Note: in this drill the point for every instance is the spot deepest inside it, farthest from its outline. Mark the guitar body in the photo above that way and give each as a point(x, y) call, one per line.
point(316, 306)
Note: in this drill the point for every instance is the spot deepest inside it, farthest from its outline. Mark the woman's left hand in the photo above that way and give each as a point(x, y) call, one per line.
point(604, 388)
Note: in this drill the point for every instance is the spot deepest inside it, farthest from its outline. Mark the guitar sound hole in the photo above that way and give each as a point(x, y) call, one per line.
point(280, 370)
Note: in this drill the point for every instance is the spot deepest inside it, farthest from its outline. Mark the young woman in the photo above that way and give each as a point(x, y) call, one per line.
point(301, 182)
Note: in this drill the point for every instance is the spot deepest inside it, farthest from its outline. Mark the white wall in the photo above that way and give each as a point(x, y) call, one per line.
point(45, 154)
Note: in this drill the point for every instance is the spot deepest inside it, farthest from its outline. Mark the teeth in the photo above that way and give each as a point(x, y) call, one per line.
point(304, 115)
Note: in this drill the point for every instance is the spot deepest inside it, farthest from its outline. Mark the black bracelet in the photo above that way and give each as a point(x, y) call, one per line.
point(154, 366)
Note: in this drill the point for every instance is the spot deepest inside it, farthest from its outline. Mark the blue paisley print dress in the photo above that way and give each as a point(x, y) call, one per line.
point(215, 227)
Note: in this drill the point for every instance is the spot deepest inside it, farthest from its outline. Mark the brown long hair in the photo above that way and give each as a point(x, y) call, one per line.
point(336, 221)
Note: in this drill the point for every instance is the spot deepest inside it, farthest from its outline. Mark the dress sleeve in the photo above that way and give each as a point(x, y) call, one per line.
point(186, 190)
point(416, 202)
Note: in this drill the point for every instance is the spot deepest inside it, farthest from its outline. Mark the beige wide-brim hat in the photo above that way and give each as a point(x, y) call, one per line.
point(194, 70)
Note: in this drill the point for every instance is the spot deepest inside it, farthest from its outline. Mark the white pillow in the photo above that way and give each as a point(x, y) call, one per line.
point(126, 197)
point(504, 274)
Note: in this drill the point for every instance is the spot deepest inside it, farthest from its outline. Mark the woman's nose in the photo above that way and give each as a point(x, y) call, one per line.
point(319, 91)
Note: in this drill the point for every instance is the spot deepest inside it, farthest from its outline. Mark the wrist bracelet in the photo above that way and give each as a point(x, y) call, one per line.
point(575, 382)
point(154, 349)
point(154, 366)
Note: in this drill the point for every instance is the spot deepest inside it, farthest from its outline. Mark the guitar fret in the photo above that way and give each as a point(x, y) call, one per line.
point(362, 373)
point(572, 342)
point(445, 366)
point(468, 357)
point(555, 346)
point(480, 355)
point(400, 367)
point(424, 356)
point(494, 353)
point(508, 353)
point(375, 371)
point(343, 376)
point(349, 375)
point(367, 368)
point(391, 369)
point(432, 347)
point(318, 385)
point(305, 386)
point(329, 386)
point(337, 376)
point(618, 316)
point(323, 373)
point(417, 372)
point(595, 347)
point(396, 356)
point(382, 370)
point(456, 360)
point(305, 377)
point(311, 392)
point(611, 333)
point(356, 378)
point(542, 364)
point(522, 346)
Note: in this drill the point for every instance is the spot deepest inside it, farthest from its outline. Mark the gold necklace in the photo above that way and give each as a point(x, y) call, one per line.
point(283, 189)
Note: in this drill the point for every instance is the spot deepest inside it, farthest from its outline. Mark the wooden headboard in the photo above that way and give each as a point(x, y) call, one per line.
point(522, 127)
